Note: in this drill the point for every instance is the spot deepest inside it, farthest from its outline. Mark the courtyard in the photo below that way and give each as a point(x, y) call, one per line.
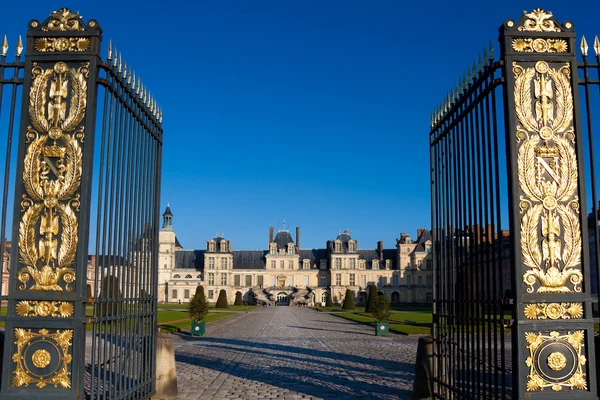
point(293, 353)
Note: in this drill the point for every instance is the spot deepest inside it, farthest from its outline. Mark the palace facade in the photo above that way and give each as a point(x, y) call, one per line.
point(286, 273)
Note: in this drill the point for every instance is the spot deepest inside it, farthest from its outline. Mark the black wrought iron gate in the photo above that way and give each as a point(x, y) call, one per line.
point(512, 273)
point(83, 251)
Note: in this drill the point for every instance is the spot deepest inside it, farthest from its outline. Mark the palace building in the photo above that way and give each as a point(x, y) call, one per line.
point(286, 273)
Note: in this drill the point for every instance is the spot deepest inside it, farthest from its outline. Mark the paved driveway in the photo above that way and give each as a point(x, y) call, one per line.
point(293, 353)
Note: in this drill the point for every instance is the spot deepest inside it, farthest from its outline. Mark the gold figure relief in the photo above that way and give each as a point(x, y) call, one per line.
point(58, 309)
point(48, 45)
point(48, 231)
point(547, 175)
point(64, 20)
point(562, 354)
point(554, 311)
point(34, 353)
point(529, 45)
point(539, 20)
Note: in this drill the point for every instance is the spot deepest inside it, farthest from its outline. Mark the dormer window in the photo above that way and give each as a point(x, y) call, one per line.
point(375, 264)
point(338, 246)
point(212, 246)
point(273, 248)
point(388, 264)
point(351, 246)
point(361, 264)
point(223, 246)
point(291, 248)
point(306, 264)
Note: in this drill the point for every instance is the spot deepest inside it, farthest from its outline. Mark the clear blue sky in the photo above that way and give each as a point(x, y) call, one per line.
point(312, 111)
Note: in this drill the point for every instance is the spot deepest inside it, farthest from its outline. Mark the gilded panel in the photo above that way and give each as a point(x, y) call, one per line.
point(554, 311)
point(42, 358)
point(48, 230)
point(548, 178)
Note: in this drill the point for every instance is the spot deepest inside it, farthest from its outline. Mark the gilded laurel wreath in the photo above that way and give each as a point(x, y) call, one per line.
point(548, 178)
point(51, 177)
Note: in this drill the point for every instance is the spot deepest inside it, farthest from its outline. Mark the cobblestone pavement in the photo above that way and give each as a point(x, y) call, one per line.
point(293, 353)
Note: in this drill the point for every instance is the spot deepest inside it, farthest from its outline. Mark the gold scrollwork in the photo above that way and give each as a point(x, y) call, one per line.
point(59, 309)
point(47, 45)
point(554, 311)
point(547, 175)
point(28, 342)
point(51, 177)
point(64, 20)
point(571, 343)
point(529, 45)
point(539, 20)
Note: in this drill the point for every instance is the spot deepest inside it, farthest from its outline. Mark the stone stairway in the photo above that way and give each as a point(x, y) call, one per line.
point(259, 294)
point(299, 296)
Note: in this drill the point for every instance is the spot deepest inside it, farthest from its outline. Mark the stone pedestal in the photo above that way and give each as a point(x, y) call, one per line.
point(166, 374)
point(422, 384)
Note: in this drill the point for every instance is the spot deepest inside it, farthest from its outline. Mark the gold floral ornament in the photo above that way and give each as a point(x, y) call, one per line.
point(571, 373)
point(48, 45)
point(539, 21)
point(58, 309)
point(51, 177)
point(529, 45)
point(554, 311)
point(34, 347)
point(548, 178)
point(64, 20)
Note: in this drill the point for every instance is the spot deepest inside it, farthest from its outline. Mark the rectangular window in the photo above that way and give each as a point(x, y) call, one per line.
point(211, 262)
point(338, 279)
point(409, 280)
point(323, 281)
point(363, 281)
point(429, 281)
point(352, 279)
point(290, 281)
point(428, 298)
point(165, 265)
point(273, 281)
point(396, 280)
point(282, 264)
point(260, 280)
point(291, 265)
point(236, 280)
point(420, 281)
point(186, 294)
point(338, 263)
point(248, 280)
point(174, 294)
point(211, 278)
point(211, 294)
point(429, 264)
point(352, 263)
point(306, 280)
point(223, 263)
point(223, 279)
point(273, 264)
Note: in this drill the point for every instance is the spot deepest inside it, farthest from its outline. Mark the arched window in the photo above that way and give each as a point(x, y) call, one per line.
point(188, 276)
point(176, 276)
point(324, 297)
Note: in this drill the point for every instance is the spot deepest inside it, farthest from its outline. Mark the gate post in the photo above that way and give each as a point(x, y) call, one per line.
point(553, 334)
point(44, 351)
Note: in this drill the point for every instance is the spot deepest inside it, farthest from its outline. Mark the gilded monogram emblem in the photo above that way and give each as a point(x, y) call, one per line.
point(547, 173)
point(64, 20)
point(41, 348)
point(51, 177)
point(539, 20)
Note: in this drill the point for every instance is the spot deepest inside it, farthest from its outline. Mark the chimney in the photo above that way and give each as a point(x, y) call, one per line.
point(380, 250)
point(298, 239)
point(419, 231)
point(270, 236)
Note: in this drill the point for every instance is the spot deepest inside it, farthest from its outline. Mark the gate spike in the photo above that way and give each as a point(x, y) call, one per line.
point(137, 88)
point(19, 46)
point(485, 56)
point(109, 50)
point(480, 64)
point(129, 78)
point(584, 46)
point(597, 46)
point(131, 81)
point(124, 69)
point(120, 63)
point(491, 51)
point(116, 57)
point(474, 69)
point(4, 47)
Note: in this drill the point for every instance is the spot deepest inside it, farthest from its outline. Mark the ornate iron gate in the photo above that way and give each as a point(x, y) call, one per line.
point(79, 191)
point(513, 307)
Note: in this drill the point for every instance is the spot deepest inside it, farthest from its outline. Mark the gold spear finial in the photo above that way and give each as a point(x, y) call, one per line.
point(19, 46)
point(597, 46)
point(584, 46)
point(4, 47)
point(109, 50)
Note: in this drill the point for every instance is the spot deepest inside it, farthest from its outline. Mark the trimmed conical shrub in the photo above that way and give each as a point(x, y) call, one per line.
point(348, 300)
point(238, 299)
point(222, 300)
point(198, 306)
point(329, 302)
point(372, 296)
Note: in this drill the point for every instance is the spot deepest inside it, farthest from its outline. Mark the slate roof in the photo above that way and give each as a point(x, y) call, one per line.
point(168, 211)
point(249, 259)
point(344, 237)
point(425, 236)
point(282, 239)
point(109, 260)
point(314, 255)
point(189, 259)
point(177, 244)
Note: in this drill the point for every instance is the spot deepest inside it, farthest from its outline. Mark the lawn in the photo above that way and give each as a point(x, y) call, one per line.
point(211, 306)
point(401, 328)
